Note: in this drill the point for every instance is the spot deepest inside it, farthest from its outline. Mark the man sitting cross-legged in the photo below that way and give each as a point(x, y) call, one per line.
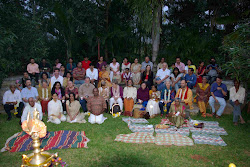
point(30, 107)
point(185, 94)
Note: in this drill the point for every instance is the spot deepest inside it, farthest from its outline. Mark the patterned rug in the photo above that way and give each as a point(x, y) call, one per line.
point(211, 131)
point(173, 139)
point(135, 120)
point(172, 130)
point(166, 121)
point(200, 138)
point(141, 128)
point(53, 140)
point(210, 124)
point(137, 137)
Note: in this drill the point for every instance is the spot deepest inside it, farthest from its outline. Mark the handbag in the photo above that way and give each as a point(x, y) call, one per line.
point(115, 109)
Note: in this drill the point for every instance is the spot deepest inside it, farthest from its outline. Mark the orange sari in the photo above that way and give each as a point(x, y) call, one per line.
point(104, 76)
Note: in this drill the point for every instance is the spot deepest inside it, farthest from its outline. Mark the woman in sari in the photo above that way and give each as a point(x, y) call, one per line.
point(104, 92)
point(177, 113)
point(58, 89)
point(200, 71)
point(73, 110)
point(136, 71)
point(153, 103)
point(129, 95)
point(104, 76)
point(116, 95)
point(67, 79)
point(46, 78)
point(115, 71)
point(100, 63)
point(190, 65)
point(203, 94)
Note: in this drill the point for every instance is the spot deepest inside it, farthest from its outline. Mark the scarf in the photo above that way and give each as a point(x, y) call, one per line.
point(203, 88)
point(59, 93)
point(45, 96)
point(200, 70)
point(126, 63)
point(183, 95)
point(165, 94)
point(116, 92)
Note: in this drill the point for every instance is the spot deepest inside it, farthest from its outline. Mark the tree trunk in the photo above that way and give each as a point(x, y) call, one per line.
point(107, 4)
point(156, 30)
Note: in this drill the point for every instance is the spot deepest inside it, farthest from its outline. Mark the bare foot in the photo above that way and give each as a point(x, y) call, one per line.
point(235, 123)
point(242, 122)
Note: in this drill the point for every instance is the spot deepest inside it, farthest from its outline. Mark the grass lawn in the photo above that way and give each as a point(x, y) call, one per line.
point(103, 151)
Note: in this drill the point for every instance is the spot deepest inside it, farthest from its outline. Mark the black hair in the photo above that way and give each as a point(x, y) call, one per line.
point(91, 64)
point(45, 74)
point(154, 86)
point(177, 57)
point(25, 72)
point(201, 62)
point(191, 69)
point(190, 61)
point(32, 58)
point(71, 58)
point(177, 70)
point(43, 58)
point(236, 80)
point(131, 81)
point(126, 68)
point(219, 76)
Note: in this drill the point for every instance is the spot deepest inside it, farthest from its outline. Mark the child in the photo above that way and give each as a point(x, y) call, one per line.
point(172, 68)
point(126, 75)
point(153, 103)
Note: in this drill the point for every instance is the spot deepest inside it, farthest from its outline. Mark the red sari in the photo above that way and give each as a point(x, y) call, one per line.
point(199, 72)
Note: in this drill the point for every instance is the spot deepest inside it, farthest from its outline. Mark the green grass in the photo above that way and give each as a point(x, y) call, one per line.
point(103, 151)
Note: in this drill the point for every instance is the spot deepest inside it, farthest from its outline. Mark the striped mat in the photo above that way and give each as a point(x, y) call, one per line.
point(53, 140)
point(200, 138)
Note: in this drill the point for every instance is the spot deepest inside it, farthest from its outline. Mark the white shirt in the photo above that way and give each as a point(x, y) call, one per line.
point(125, 66)
point(54, 79)
point(162, 74)
point(240, 95)
point(29, 109)
point(92, 74)
point(55, 108)
point(130, 92)
point(115, 67)
point(12, 97)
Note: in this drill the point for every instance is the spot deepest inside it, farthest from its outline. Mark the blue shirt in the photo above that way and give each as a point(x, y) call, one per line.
point(68, 66)
point(218, 93)
point(26, 93)
point(191, 78)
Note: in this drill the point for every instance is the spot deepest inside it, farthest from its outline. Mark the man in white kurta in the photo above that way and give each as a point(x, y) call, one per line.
point(30, 107)
point(55, 112)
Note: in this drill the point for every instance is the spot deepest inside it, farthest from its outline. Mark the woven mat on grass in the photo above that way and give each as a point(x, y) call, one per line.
point(141, 128)
point(137, 137)
point(166, 121)
point(172, 130)
point(134, 120)
point(200, 138)
point(173, 139)
point(211, 131)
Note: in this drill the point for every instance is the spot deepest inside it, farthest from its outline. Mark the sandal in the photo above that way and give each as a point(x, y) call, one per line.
point(217, 116)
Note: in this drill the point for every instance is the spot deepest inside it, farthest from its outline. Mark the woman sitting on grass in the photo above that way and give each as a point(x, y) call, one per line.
point(177, 113)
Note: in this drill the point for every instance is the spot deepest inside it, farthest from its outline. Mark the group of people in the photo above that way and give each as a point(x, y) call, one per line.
point(95, 88)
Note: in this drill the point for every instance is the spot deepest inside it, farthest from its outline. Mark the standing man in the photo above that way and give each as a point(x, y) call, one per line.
point(28, 92)
point(190, 78)
point(212, 71)
point(92, 73)
point(85, 63)
point(33, 69)
point(162, 76)
point(11, 99)
point(145, 63)
point(180, 65)
point(44, 67)
point(79, 74)
point(218, 92)
point(56, 77)
point(96, 106)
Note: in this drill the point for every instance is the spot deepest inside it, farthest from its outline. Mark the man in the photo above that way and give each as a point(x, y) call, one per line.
point(85, 63)
point(21, 83)
point(145, 63)
point(28, 92)
point(218, 92)
point(85, 91)
point(180, 65)
point(12, 99)
point(185, 94)
point(212, 71)
point(30, 107)
point(96, 106)
point(33, 69)
point(162, 76)
point(191, 78)
point(44, 67)
point(79, 74)
point(159, 66)
point(92, 73)
point(56, 77)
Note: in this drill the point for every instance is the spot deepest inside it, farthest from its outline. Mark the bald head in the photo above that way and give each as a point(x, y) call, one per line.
point(31, 101)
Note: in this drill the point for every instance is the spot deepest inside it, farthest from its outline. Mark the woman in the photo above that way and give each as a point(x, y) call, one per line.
point(104, 76)
point(71, 89)
point(55, 110)
point(70, 66)
point(153, 103)
point(203, 94)
point(101, 63)
point(62, 71)
point(136, 71)
point(104, 92)
point(57, 64)
point(125, 64)
point(190, 65)
point(46, 78)
point(143, 94)
point(167, 97)
point(116, 95)
point(44, 94)
point(200, 71)
point(129, 95)
point(237, 97)
point(73, 110)
point(176, 79)
point(115, 71)
point(67, 79)
point(57, 88)
point(148, 76)
point(177, 113)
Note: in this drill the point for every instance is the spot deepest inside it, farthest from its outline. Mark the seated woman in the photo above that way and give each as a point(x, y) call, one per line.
point(71, 89)
point(136, 71)
point(62, 71)
point(200, 71)
point(190, 65)
point(167, 97)
point(203, 94)
point(46, 78)
point(143, 94)
point(57, 88)
point(44, 94)
point(104, 76)
point(55, 110)
point(129, 95)
point(177, 113)
point(148, 76)
point(176, 79)
point(73, 110)
point(116, 95)
point(115, 71)
point(104, 92)
point(153, 103)
point(67, 79)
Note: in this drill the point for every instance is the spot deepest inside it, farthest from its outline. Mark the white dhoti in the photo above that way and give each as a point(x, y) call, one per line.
point(96, 119)
point(56, 120)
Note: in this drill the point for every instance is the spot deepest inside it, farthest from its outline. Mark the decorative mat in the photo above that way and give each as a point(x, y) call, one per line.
point(137, 137)
point(209, 124)
point(141, 128)
point(173, 139)
point(173, 130)
point(166, 121)
point(200, 138)
point(53, 140)
point(211, 131)
point(135, 120)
